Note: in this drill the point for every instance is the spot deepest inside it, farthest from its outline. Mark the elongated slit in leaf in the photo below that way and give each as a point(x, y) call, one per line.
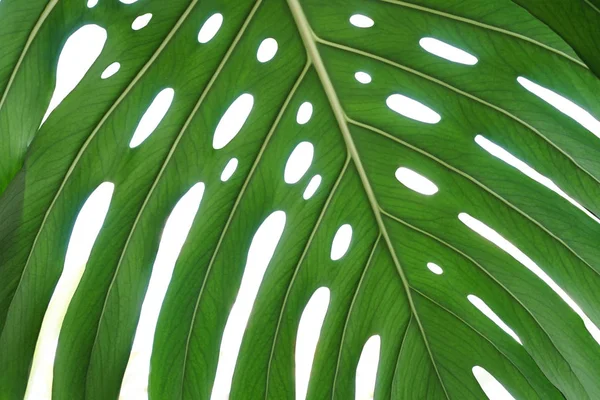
point(494, 237)
point(564, 105)
point(312, 187)
point(233, 121)
point(210, 28)
point(141, 22)
point(488, 312)
point(152, 117)
point(229, 169)
point(513, 161)
point(298, 162)
point(260, 253)
point(493, 389)
point(110, 70)
point(412, 109)
point(436, 269)
point(366, 370)
point(307, 338)
point(447, 51)
point(84, 234)
point(78, 55)
point(175, 232)
point(361, 21)
point(341, 242)
point(415, 181)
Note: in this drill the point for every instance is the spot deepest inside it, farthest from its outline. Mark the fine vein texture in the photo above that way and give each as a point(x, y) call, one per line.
point(431, 334)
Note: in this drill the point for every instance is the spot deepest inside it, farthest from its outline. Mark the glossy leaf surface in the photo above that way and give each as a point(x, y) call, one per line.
point(501, 195)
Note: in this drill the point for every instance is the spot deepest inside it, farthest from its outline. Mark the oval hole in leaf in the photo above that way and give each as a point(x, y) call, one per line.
point(304, 113)
point(128, 1)
point(83, 236)
point(447, 51)
point(513, 161)
point(361, 21)
point(366, 371)
point(141, 22)
point(267, 50)
point(261, 252)
point(78, 54)
point(111, 70)
point(210, 28)
point(152, 117)
point(312, 187)
point(488, 312)
point(563, 104)
point(436, 269)
point(174, 235)
point(299, 162)
point(412, 109)
point(362, 77)
point(491, 387)
point(92, 3)
point(229, 170)
point(233, 120)
point(341, 242)
point(497, 239)
point(416, 182)
point(307, 338)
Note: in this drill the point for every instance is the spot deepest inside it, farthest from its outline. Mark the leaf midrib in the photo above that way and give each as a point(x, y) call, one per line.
point(310, 42)
point(451, 168)
point(489, 274)
point(476, 331)
point(458, 91)
point(456, 170)
point(538, 224)
point(336, 106)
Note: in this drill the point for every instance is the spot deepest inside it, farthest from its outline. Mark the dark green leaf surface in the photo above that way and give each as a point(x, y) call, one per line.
point(431, 335)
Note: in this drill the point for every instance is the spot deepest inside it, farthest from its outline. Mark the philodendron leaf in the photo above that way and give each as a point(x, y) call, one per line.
point(278, 190)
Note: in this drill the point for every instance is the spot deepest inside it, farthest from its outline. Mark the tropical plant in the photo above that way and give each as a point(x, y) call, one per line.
point(424, 173)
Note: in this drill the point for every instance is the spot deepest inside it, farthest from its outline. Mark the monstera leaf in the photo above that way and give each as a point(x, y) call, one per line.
point(419, 175)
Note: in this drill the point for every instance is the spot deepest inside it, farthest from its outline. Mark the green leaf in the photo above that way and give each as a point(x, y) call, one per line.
point(516, 235)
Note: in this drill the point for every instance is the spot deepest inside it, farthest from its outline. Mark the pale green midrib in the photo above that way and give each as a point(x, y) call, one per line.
point(486, 272)
point(297, 268)
point(93, 134)
point(399, 355)
point(310, 43)
point(476, 182)
point(349, 314)
point(489, 27)
point(461, 320)
point(460, 92)
point(166, 162)
point(543, 228)
point(232, 213)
